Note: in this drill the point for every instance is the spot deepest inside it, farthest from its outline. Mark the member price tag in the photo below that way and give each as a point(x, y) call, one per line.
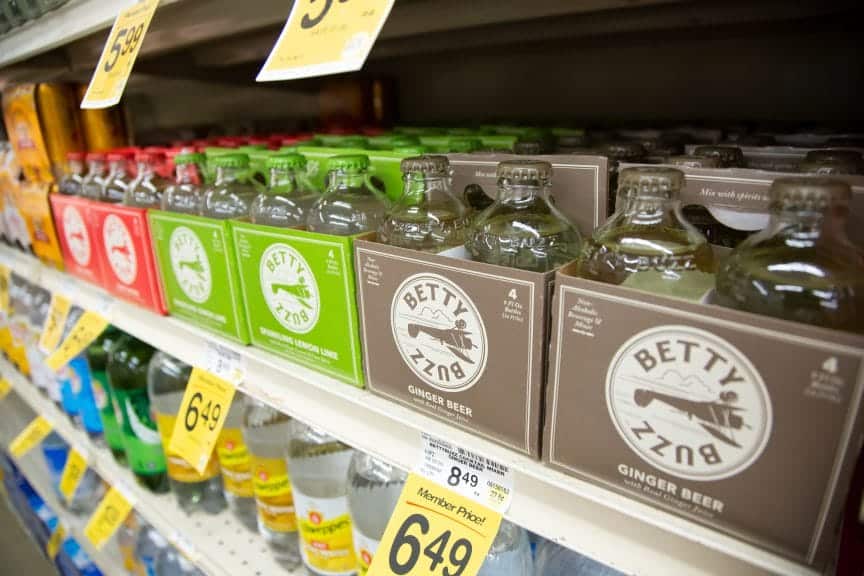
point(73, 473)
point(110, 513)
point(54, 323)
point(325, 37)
point(58, 536)
point(202, 414)
point(32, 435)
point(468, 473)
point(5, 388)
point(435, 531)
point(115, 65)
point(225, 363)
point(85, 331)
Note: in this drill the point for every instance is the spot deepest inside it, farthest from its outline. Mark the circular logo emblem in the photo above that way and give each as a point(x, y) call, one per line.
point(289, 287)
point(439, 332)
point(688, 402)
point(190, 264)
point(76, 235)
point(119, 248)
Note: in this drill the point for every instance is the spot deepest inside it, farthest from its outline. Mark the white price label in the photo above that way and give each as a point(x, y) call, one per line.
point(470, 474)
point(225, 363)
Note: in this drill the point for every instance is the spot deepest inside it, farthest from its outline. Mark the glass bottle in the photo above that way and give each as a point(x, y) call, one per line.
point(148, 548)
point(171, 562)
point(185, 195)
point(648, 244)
point(319, 478)
point(617, 152)
point(572, 142)
point(266, 432)
point(166, 383)
point(428, 217)
point(97, 358)
point(231, 195)
point(351, 204)
point(236, 464)
point(70, 184)
point(69, 375)
point(91, 183)
point(86, 497)
point(831, 162)
point(510, 553)
point(117, 181)
point(727, 156)
point(555, 560)
point(145, 191)
point(802, 266)
point(127, 366)
point(522, 228)
point(289, 195)
point(373, 489)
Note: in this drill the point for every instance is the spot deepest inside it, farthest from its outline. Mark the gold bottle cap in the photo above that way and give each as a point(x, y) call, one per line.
point(728, 156)
point(650, 182)
point(524, 173)
point(809, 194)
point(622, 150)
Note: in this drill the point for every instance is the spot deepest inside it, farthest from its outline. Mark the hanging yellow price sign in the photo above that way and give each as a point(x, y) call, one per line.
point(200, 419)
point(32, 435)
point(54, 323)
point(58, 536)
point(73, 473)
point(115, 65)
point(325, 37)
point(434, 532)
point(110, 513)
point(5, 388)
point(83, 333)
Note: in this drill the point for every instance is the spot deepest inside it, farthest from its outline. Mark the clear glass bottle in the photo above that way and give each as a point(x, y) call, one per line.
point(802, 266)
point(91, 184)
point(236, 464)
point(648, 244)
point(231, 194)
point(145, 191)
point(832, 162)
point(319, 478)
point(522, 228)
point(266, 432)
point(185, 194)
point(727, 156)
point(351, 204)
point(166, 383)
point(373, 490)
point(616, 153)
point(117, 181)
point(428, 217)
point(97, 358)
point(286, 201)
point(510, 553)
point(70, 184)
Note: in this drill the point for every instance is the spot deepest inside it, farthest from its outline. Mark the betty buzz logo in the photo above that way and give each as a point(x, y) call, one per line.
point(119, 249)
point(190, 264)
point(289, 288)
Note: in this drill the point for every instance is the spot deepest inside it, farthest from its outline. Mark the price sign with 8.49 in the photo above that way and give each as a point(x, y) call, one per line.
point(109, 80)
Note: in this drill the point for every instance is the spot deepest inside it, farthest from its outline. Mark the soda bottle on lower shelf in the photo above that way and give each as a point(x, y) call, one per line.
point(97, 359)
point(43, 377)
point(266, 432)
point(171, 562)
point(185, 194)
point(351, 204)
point(555, 560)
point(80, 561)
point(231, 195)
point(236, 464)
point(127, 538)
point(289, 195)
point(127, 366)
point(373, 490)
point(70, 374)
point(166, 383)
point(148, 548)
point(319, 478)
point(89, 491)
point(510, 553)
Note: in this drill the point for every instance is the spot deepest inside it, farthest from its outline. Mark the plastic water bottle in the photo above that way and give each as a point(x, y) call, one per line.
point(510, 554)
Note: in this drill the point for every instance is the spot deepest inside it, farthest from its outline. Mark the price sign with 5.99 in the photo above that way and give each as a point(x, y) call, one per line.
point(115, 65)
point(325, 37)
point(202, 414)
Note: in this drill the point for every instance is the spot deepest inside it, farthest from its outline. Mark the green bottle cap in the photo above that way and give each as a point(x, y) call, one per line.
point(351, 142)
point(430, 165)
point(234, 160)
point(287, 161)
point(217, 151)
point(412, 150)
point(401, 141)
point(188, 158)
point(464, 144)
point(349, 163)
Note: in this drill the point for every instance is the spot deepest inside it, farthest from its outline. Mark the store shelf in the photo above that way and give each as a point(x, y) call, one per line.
point(628, 535)
point(219, 545)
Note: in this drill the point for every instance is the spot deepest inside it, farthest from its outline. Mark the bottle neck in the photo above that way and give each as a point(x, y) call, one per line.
point(76, 168)
point(420, 187)
point(187, 174)
point(117, 168)
point(226, 174)
point(519, 194)
point(648, 210)
point(807, 227)
point(145, 170)
point(282, 181)
point(96, 168)
point(344, 180)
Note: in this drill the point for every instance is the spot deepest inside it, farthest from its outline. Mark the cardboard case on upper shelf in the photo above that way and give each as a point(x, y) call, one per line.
point(73, 218)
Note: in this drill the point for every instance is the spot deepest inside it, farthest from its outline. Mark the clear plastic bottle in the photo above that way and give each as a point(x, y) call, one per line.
point(802, 266)
point(89, 491)
point(727, 156)
point(319, 477)
point(185, 195)
point(231, 195)
point(236, 464)
point(127, 538)
point(351, 204)
point(171, 562)
point(428, 217)
point(69, 375)
point(286, 201)
point(556, 560)
point(149, 547)
point(43, 377)
point(166, 383)
point(373, 490)
point(647, 244)
point(266, 431)
point(91, 183)
point(97, 358)
point(70, 184)
point(145, 191)
point(522, 228)
point(510, 553)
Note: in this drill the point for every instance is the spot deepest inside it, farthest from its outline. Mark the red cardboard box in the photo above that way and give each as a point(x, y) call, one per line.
point(73, 220)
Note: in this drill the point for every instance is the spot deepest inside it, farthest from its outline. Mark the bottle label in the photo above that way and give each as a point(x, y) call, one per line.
point(235, 462)
point(364, 548)
point(326, 542)
point(68, 399)
point(102, 395)
point(273, 494)
point(84, 395)
point(178, 469)
point(140, 438)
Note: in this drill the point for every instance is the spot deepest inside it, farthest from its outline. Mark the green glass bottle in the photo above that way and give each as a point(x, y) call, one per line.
point(231, 195)
point(351, 204)
point(97, 357)
point(127, 367)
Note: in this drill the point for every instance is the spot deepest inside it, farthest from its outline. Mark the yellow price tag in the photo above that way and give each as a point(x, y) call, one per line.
point(434, 531)
point(325, 37)
point(5, 388)
point(73, 473)
point(85, 331)
point(115, 65)
point(58, 536)
point(200, 419)
point(32, 435)
point(54, 323)
point(4, 288)
point(110, 513)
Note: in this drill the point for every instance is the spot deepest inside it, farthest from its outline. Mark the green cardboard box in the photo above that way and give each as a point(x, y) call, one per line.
point(384, 166)
point(199, 272)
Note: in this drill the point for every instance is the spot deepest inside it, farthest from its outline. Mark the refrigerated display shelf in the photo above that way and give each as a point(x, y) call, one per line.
point(218, 544)
point(628, 535)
